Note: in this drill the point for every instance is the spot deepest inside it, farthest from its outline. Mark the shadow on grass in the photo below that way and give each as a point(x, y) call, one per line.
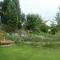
point(52, 45)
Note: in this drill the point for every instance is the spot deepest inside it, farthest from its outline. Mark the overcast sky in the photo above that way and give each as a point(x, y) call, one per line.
point(46, 8)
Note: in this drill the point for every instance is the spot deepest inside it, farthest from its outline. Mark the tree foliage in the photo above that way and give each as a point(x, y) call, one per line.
point(11, 16)
point(58, 20)
point(31, 22)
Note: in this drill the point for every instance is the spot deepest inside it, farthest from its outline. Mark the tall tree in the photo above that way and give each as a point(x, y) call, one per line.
point(1, 3)
point(58, 19)
point(10, 16)
point(18, 10)
point(4, 9)
point(17, 7)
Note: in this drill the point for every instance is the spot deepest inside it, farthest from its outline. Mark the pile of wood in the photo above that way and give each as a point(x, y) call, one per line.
point(6, 42)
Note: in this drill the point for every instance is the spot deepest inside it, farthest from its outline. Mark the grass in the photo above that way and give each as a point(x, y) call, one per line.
point(32, 51)
point(25, 52)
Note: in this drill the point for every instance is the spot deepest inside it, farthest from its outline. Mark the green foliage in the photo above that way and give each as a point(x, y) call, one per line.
point(11, 15)
point(35, 23)
point(53, 30)
point(58, 20)
point(18, 10)
point(13, 18)
point(1, 4)
point(12, 37)
point(31, 23)
point(5, 5)
point(43, 27)
point(23, 19)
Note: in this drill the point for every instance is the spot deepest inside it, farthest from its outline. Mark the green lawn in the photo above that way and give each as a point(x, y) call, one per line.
point(24, 52)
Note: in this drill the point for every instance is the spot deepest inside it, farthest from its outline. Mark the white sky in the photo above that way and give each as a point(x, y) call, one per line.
point(46, 8)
